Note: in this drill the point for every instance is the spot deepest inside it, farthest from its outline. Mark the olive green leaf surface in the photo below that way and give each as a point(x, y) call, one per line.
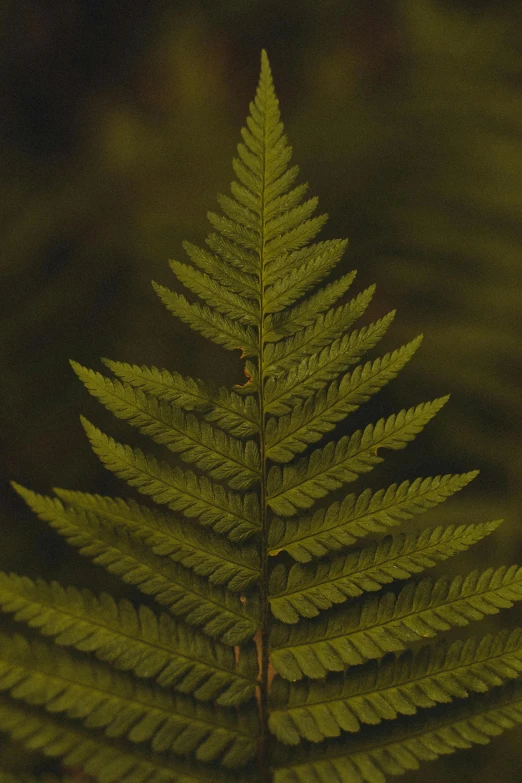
point(273, 641)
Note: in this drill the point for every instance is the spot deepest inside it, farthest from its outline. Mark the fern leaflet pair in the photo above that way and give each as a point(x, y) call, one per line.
point(275, 652)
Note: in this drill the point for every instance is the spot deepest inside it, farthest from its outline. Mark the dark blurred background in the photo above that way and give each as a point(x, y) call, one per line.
point(118, 123)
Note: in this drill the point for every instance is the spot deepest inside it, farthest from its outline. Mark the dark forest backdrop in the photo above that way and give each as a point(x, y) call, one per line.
point(118, 122)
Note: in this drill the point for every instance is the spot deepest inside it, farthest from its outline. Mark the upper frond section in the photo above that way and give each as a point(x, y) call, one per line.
point(234, 413)
point(216, 295)
point(298, 486)
point(310, 420)
point(283, 355)
point(343, 523)
point(212, 324)
point(305, 312)
point(234, 279)
point(196, 497)
point(290, 287)
point(209, 448)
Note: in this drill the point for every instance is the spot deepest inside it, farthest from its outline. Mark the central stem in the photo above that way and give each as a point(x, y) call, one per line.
point(263, 648)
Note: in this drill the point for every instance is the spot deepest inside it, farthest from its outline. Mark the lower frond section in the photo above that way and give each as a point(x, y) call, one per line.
point(105, 760)
point(376, 692)
point(218, 612)
point(387, 751)
point(134, 639)
point(387, 623)
point(39, 674)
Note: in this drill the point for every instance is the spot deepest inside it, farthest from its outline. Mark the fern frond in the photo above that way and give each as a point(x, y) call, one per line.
point(188, 393)
point(218, 612)
point(386, 624)
point(312, 373)
point(236, 280)
point(343, 523)
point(286, 290)
point(309, 421)
point(305, 312)
point(211, 324)
point(204, 552)
point(210, 449)
point(284, 354)
point(241, 235)
point(216, 295)
point(298, 486)
point(279, 204)
point(238, 415)
point(286, 215)
point(105, 759)
point(39, 674)
point(133, 639)
point(227, 512)
point(233, 254)
point(305, 590)
point(394, 751)
point(373, 693)
point(250, 657)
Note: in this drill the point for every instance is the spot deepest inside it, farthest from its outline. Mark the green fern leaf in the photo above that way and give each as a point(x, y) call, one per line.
point(104, 759)
point(238, 415)
point(341, 524)
point(196, 442)
point(211, 324)
point(284, 354)
point(312, 373)
point(298, 486)
point(210, 503)
point(288, 289)
point(217, 611)
point(305, 590)
point(304, 313)
point(308, 422)
point(403, 748)
point(229, 276)
point(52, 678)
point(133, 639)
point(216, 295)
point(204, 552)
point(433, 675)
point(254, 652)
point(387, 624)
